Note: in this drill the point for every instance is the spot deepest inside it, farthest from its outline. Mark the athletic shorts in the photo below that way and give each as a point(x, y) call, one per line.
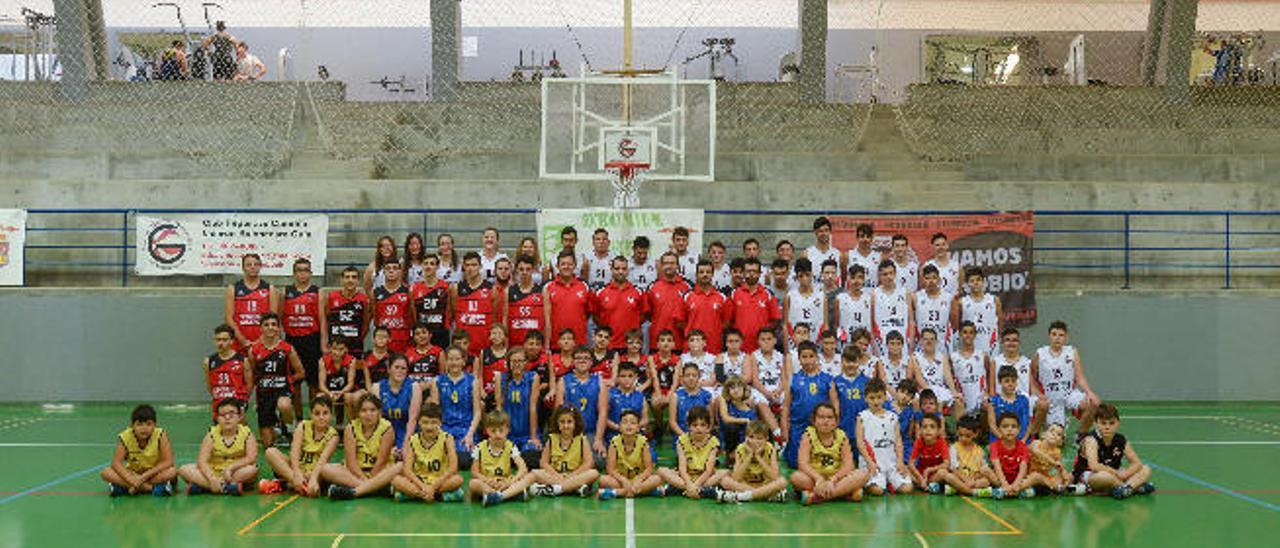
point(1060, 403)
point(439, 336)
point(267, 399)
point(889, 476)
point(308, 348)
point(974, 397)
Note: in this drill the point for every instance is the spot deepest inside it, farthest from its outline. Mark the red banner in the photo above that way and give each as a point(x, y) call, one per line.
point(999, 243)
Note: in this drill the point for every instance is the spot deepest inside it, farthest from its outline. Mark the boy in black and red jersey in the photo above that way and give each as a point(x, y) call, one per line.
point(475, 304)
point(225, 371)
point(424, 358)
point(346, 312)
point(431, 302)
point(303, 323)
point(276, 369)
point(393, 309)
point(523, 313)
point(246, 301)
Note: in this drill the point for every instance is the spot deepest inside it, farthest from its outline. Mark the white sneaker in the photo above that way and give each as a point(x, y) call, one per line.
point(541, 490)
point(727, 496)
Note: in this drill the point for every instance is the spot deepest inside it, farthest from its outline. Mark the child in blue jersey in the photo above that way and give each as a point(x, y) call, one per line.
point(806, 388)
point(690, 394)
point(736, 412)
point(517, 389)
point(904, 404)
point(850, 387)
point(624, 395)
point(401, 400)
point(461, 402)
point(1009, 400)
point(584, 390)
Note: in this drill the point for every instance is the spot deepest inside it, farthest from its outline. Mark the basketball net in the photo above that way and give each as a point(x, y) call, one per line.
point(626, 178)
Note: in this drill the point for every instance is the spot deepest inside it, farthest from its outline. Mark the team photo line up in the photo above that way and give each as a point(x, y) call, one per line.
point(412, 425)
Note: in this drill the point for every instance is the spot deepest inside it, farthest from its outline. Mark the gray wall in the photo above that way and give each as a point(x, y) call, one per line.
point(81, 345)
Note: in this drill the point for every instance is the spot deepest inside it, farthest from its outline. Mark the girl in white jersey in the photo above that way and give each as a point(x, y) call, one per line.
point(804, 304)
point(706, 361)
point(853, 307)
point(971, 368)
point(980, 308)
point(1057, 368)
point(489, 253)
point(890, 307)
point(933, 308)
point(932, 370)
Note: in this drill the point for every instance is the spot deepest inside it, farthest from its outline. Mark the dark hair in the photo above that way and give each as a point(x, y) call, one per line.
point(970, 423)
point(580, 350)
point(633, 334)
point(928, 330)
point(369, 397)
point(831, 263)
point(384, 329)
point(322, 400)
point(667, 333)
point(851, 353)
point(566, 253)
point(803, 264)
point(568, 230)
point(232, 402)
point(625, 367)
point(1107, 412)
point(828, 334)
point(525, 259)
point(750, 241)
point(971, 271)
point(873, 386)
point(893, 335)
point(967, 323)
point(1007, 415)
point(422, 249)
point(1058, 324)
point(813, 416)
point(600, 231)
point(929, 269)
point(378, 261)
point(629, 412)
point(680, 231)
point(220, 26)
point(937, 235)
point(351, 268)
point(696, 333)
point(806, 345)
point(738, 263)
point(641, 242)
point(1008, 331)
point(931, 417)
point(470, 256)
point(802, 325)
point(732, 331)
point(224, 328)
point(536, 334)
point(928, 394)
point(143, 413)
point(908, 385)
point(860, 333)
point(248, 256)
point(602, 328)
point(821, 222)
point(781, 243)
point(572, 412)
point(780, 263)
point(857, 269)
point(689, 365)
point(699, 413)
point(864, 229)
point(748, 261)
point(718, 244)
point(887, 263)
point(899, 238)
point(269, 316)
point(496, 418)
point(453, 250)
point(704, 262)
point(1006, 372)
point(430, 410)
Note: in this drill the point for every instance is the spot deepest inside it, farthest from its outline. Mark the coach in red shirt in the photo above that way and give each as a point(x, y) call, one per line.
point(567, 300)
point(707, 309)
point(754, 307)
point(619, 305)
point(665, 302)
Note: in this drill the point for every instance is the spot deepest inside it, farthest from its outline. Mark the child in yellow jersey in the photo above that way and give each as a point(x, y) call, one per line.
point(498, 472)
point(430, 470)
point(313, 444)
point(567, 463)
point(968, 471)
point(1047, 469)
point(629, 464)
point(143, 460)
point(755, 473)
point(228, 455)
point(696, 451)
point(366, 443)
point(825, 461)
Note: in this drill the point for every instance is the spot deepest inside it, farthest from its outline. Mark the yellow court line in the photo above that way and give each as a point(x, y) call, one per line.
point(337, 541)
point(264, 517)
point(992, 515)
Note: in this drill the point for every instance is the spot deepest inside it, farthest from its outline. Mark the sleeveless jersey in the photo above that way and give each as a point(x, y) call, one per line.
point(430, 303)
point(807, 391)
point(697, 458)
point(300, 312)
point(830, 366)
point(368, 443)
point(1108, 454)
point(971, 374)
point(524, 312)
point(854, 313)
point(642, 275)
point(803, 308)
point(565, 460)
point(394, 311)
point(850, 392)
point(948, 276)
point(226, 377)
point(687, 266)
point(584, 395)
point(1020, 406)
point(491, 365)
point(474, 312)
point(377, 368)
point(271, 366)
point(934, 313)
point(869, 262)
point(895, 372)
point(620, 401)
point(967, 459)
point(517, 396)
point(448, 272)
point(722, 277)
point(309, 452)
point(429, 461)
point(730, 366)
point(908, 276)
point(599, 270)
point(769, 370)
point(1057, 372)
point(825, 459)
point(817, 257)
point(686, 401)
point(488, 264)
point(890, 311)
point(249, 306)
point(1021, 364)
point(224, 454)
point(424, 365)
point(706, 363)
point(335, 375)
point(879, 433)
point(138, 458)
point(494, 465)
point(666, 370)
point(931, 368)
point(395, 406)
point(983, 315)
point(755, 474)
point(346, 319)
point(455, 400)
point(630, 463)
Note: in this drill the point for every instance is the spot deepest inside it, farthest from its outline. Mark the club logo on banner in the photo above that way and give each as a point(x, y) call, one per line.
point(199, 244)
point(13, 235)
point(999, 243)
point(623, 226)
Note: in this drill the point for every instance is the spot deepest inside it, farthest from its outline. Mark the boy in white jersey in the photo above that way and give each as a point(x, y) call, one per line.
point(706, 361)
point(642, 271)
point(1058, 369)
point(933, 307)
point(853, 306)
point(980, 308)
point(751, 250)
point(971, 368)
point(908, 270)
point(1011, 355)
point(720, 276)
point(948, 270)
point(686, 260)
point(890, 307)
point(895, 364)
point(829, 355)
point(932, 370)
point(781, 281)
point(822, 251)
point(804, 304)
point(868, 365)
point(597, 270)
point(770, 365)
point(863, 255)
point(880, 444)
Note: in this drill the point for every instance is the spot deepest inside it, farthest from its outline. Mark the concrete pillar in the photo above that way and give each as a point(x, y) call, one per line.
point(1178, 43)
point(813, 50)
point(73, 48)
point(1155, 38)
point(446, 48)
point(97, 29)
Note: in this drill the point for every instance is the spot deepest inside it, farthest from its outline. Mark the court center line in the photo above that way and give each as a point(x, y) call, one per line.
point(923, 543)
point(631, 523)
point(264, 517)
point(992, 515)
point(47, 485)
point(1218, 488)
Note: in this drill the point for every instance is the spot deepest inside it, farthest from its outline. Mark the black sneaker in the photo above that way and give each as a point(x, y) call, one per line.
point(341, 492)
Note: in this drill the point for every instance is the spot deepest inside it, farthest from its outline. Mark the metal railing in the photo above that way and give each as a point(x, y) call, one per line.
point(1125, 245)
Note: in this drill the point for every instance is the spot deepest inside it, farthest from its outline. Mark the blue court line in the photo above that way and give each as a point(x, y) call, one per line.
point(1201, 483)
point(44, 486)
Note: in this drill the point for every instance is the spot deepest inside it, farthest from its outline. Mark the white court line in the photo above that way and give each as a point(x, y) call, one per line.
point(923, 543)
point(631, 523)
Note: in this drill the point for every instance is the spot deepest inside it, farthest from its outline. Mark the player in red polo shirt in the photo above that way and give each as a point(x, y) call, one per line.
point(665, 302)
point(707, 309)
point(754, 307)
point(567, 299)
point(619, 305)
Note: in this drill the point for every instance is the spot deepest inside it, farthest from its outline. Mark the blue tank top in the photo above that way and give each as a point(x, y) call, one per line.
point(907, 417)
point(620, 401)
point(515, 401)
point(585, 396)
point(395, 406)
point(1020, 406)
point(850, 393)
point(455, 401)
point(749, 413)
point(686, 401)
point(807, 391)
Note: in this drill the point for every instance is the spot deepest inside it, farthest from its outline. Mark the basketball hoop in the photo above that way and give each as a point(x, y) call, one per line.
point(626, 178)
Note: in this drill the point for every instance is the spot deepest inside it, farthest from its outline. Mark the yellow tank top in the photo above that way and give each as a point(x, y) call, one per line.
point(309, 453)
point(367, 446)
point(429, 462)
point(968, 460)
point(565, 460)
point(140, 459)
point(223, 455)
point(755, 474)
point(697, 459)
point(630, 463)
point(497, 466)
point(825, 459)
point(1046, 467)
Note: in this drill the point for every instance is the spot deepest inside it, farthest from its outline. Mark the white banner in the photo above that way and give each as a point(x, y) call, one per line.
point(213, 243)
point(623, 226)
point(13, 236)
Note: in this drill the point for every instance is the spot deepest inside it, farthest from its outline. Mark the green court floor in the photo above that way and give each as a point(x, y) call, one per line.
point(1214, 469)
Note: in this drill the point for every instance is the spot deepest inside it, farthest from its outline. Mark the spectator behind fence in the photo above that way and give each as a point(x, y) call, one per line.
point(223, 54)
point(173, 63)
point(248, 67)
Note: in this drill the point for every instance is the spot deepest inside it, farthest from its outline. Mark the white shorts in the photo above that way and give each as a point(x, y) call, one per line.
point(888, 476)
point(944, 395)
point(1031, 401)
point(1060, 403)
point(974, 397)
point(760, 396)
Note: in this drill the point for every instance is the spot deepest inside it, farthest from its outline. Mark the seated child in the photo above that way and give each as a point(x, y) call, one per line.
point(696, 475)
point(143, 460)
point(629, 464)
point(967, 471)
point(430, 472)
point(313, 443)
point(367, 467)
point(1009, 459)
point(1047, 470)
point(228, 455)
point(498, 472)
point(825, 460)
point(929, 454)
point(736, 413)
point(1102, 453)
point(567, 463)
point(755, 474)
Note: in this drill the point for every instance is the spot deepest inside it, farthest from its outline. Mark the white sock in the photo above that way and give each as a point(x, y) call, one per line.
point(556, 489)
point(744, 496)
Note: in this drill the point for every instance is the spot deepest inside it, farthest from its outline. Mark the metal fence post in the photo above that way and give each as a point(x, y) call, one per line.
point(1126, 251)
point(1226, 265)
point(124, 249)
